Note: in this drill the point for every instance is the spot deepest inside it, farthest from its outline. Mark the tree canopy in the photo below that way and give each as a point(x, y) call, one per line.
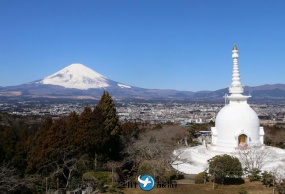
point(225, 166)
point(95, 133)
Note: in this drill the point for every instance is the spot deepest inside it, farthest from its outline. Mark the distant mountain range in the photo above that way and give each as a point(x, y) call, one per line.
point(77, 81)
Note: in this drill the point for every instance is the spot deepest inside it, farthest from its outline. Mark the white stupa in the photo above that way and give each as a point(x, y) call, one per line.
point(237, 124)
point(237, 130)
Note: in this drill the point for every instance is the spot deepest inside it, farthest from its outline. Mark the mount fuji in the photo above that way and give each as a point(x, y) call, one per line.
point(80, 82)
point(76, 76)
point(77, 81)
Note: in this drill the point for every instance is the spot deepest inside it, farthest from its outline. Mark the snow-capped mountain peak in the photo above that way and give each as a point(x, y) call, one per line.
point(77, 76)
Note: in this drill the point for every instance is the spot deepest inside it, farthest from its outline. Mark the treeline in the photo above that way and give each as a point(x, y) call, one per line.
point(62, 150)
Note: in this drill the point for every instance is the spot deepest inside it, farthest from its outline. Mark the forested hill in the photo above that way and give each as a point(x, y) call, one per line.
point(31, 146)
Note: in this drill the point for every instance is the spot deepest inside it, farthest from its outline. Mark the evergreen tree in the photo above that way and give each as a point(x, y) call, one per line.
point(110, 128)
point(35, 154)
point(83, 136)
point(130, 129)
point(225, 166)
point(254, 174)
point(48, 142)
point(96, 149)
point(267, 178)
point(109, 113)
point(9, 138)
point(71, 128)
point(93, 132)
point(56, 139)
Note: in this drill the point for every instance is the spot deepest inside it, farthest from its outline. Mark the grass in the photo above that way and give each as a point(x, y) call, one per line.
point(251, 187)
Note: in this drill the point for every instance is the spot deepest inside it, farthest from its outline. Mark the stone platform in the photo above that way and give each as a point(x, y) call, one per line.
point(193, 160)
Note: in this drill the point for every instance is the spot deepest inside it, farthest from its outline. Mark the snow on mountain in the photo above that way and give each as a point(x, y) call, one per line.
point(76, 76)
point(123, 86)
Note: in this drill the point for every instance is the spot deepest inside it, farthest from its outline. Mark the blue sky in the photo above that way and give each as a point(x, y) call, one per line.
point(162, 44)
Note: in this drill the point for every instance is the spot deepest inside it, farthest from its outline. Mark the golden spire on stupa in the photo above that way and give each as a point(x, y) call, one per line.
point(235, 47)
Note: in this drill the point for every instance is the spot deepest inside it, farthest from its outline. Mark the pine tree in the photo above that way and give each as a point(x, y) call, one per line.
point(109, 113)
point(71, 128)
point(56, 139)
point(36, 151)
point(83, 135)
point(110, 128)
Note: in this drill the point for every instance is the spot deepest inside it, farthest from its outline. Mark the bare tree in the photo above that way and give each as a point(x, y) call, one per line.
point(113, 165)
point(278, 176)
point(150, 145)
point(156, 147)
point(65, 165)
point(255, 158)
point(177, 159)
point(9, 180)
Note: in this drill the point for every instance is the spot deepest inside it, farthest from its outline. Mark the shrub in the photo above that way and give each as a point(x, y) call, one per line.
point(199, 178)
point(242, 190)
point(101, 187)
point(267, 178)
point(281, 188)
point(146, 167)
point(233, 181)
point(254, 174)
point(180, 176)
point(169, 175)
point(100, 176)
point(225, 166)
point(114, 190)
point(195, 143)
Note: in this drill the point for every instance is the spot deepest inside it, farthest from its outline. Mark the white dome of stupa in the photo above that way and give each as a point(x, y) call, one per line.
point(235, 120)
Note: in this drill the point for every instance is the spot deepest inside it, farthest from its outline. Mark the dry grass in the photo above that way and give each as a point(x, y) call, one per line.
point(251, 187)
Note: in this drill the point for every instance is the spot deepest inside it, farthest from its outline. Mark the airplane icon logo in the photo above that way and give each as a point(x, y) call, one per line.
point(146, 182)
